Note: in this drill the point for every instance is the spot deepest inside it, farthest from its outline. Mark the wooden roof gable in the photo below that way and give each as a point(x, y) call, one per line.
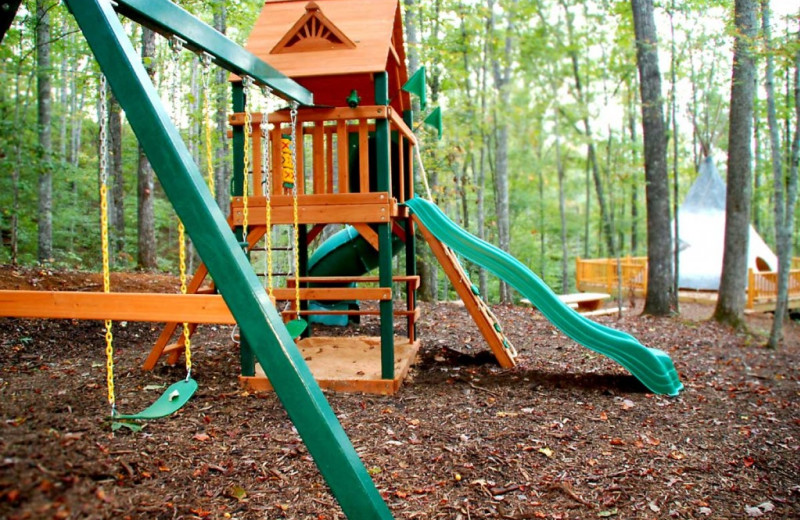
point(321, 30)
point(313, 32)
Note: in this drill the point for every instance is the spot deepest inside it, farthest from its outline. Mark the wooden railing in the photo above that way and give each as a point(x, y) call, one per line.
point(325, 150)
point(762, 287)
point(603, 274)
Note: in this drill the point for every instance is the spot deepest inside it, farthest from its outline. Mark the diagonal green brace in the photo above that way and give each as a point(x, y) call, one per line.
point(259, 321)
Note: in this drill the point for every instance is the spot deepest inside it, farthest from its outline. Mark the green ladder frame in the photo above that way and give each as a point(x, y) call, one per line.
point(260, 323)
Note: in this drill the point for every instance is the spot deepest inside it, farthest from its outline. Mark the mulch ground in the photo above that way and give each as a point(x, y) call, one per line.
point(566, 435)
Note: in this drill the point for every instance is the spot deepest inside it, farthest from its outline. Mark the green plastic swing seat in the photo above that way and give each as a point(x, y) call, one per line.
point(172, 400)
point(296, 327)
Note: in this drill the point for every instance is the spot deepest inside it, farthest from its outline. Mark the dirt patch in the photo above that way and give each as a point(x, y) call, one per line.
point(567, 434)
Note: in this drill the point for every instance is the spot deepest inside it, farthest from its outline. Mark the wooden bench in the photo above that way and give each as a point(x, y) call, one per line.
point(585, 302)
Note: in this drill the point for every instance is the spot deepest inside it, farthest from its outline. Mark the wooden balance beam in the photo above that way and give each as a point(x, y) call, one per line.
point(154, 307)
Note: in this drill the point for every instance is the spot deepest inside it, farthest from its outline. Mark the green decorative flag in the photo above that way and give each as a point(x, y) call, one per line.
point(416, 85)
point(435, 120)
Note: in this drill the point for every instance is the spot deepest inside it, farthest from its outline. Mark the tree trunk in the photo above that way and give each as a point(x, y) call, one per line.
point(634, 184)
point(117, 200)
point(661, 298)
point(45, 209)
point(562, 211)
point(223, 168)
point(591, 154)
point(502, 79)
point(785, 197)
point(147, 257)
point(730, 305)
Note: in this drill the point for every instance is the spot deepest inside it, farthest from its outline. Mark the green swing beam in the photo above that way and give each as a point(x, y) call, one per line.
point(169, 19)
point(260, 323)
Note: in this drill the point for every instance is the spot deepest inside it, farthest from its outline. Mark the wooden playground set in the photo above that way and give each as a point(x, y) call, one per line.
point(630, 273)
point(340, 152)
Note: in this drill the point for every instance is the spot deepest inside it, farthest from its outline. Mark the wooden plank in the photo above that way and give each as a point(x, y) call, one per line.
point(398, 123)
point(328, 160)
point(257, 173)
point(336, 293)
point(318, 148)
point(342, 152)
point(348, 364)
point(401, 197)
point(375, 197)
point(368, 234)
point(277, 162)
point(155, 307)
point(363, 156)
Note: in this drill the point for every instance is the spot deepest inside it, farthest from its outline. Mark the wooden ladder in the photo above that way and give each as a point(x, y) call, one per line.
point(483, 316)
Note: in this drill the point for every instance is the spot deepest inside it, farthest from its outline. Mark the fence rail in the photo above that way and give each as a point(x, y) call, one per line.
point(604, 273)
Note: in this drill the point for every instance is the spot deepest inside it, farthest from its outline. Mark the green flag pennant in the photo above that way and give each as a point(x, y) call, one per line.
point(416, 85)
point(434, 119)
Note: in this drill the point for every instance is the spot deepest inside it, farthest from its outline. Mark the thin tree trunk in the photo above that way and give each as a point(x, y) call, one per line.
point(562, 211)
point(785, 197)
point(675, 179)
point(43, 71)
point(661, 298)
point(223, 167)
point(502, 78)
point(117, 200)
point(634, 184)
point(147, 256)
point(730, 305)
point(605, 216)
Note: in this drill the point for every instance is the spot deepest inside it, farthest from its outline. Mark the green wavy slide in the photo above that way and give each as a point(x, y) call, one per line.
point(653, 367)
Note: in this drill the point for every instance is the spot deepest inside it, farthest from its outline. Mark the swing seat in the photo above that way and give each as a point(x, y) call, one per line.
point(172, 400)
point(296, 327)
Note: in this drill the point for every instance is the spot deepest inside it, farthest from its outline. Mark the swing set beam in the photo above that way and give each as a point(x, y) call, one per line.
point(260, 323)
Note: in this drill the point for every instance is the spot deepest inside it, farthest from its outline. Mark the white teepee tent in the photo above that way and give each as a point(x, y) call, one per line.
point(701, 228)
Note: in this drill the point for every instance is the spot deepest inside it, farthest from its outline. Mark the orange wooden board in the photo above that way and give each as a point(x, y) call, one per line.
point(348, 364)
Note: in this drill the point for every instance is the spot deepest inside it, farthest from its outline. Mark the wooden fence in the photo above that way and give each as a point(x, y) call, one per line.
point(604, 274)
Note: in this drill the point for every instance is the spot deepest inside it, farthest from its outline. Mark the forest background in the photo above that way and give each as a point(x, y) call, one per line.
point(541, 153)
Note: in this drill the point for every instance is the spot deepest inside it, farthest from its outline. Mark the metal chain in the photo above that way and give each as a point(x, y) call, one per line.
point(266, 169)
point(248, 130)
point(295, 211)
point(177, 47)
point(109, 336)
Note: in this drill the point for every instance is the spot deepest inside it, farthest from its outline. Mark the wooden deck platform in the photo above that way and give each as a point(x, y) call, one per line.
point(348, 364)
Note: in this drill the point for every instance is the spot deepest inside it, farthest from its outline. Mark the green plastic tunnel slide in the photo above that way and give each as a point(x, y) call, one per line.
point(345, 253)
point(653, 367)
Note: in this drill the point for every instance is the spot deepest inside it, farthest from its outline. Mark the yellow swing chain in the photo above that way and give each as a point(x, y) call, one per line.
point(295, 211)
point(109, 336)
point(248, 130)
point(177, 46)
point(266, 169)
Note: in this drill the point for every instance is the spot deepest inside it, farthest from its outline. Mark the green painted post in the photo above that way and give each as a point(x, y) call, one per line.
point(384, 175)
point(260, 323)
point(247, 360)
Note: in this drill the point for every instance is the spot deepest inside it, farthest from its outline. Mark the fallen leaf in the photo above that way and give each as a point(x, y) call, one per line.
point(705, 511)
point(547, 452)
point(627, 404)
point(237, 492)
point(753, 511)
point(608, 513)
point(201, 437)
